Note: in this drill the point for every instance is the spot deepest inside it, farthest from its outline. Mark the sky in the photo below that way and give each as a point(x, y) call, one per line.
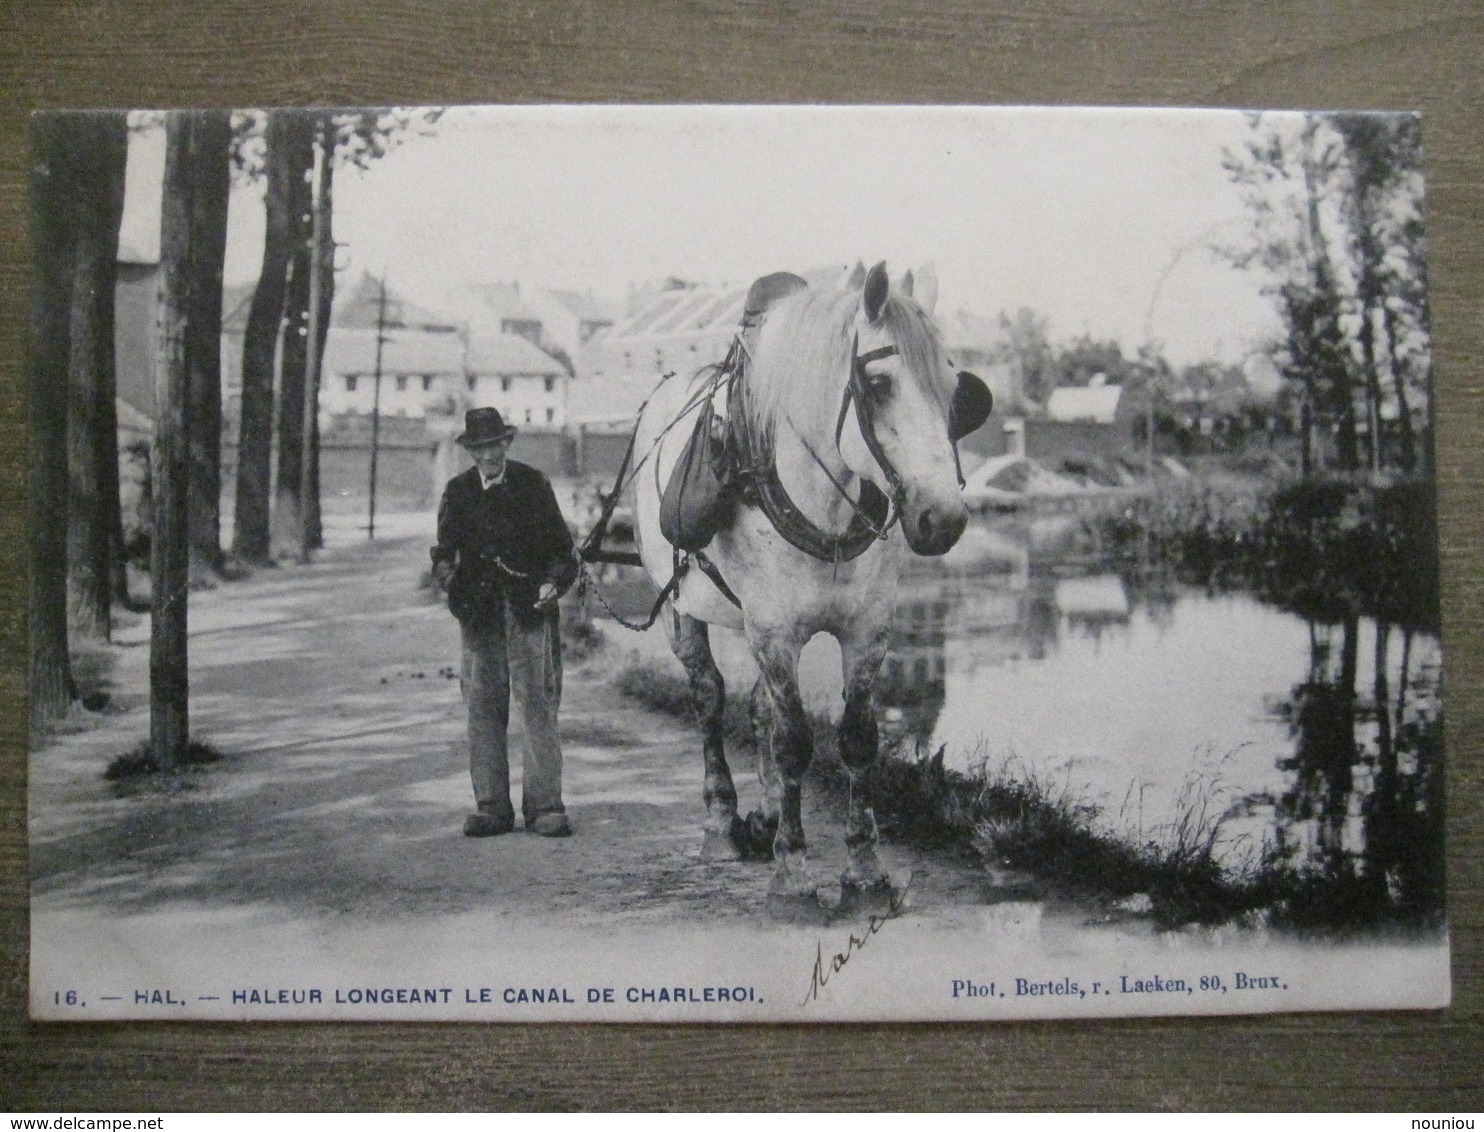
point(1100, 219)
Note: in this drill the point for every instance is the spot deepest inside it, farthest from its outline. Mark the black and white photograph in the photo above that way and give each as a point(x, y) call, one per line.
point(722, 563)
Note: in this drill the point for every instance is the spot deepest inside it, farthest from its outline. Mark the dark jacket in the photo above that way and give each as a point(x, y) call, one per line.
point(504, 542)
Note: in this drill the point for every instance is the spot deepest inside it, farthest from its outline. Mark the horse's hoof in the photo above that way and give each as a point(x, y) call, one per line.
point(802, 908)
point(718, 845)
point(756, 836)
point(879, 898)
point(793, 895)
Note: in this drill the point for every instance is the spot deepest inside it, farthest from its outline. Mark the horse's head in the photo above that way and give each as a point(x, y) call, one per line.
point(910, 409)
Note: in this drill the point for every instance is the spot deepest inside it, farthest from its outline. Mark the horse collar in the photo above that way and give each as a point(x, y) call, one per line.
point(800, 532)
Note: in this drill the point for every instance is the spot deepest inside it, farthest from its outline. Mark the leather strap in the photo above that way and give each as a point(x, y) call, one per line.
point(866, 526)
point(709, 569)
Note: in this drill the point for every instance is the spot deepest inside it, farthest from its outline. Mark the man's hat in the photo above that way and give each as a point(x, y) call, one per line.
point(484, 426)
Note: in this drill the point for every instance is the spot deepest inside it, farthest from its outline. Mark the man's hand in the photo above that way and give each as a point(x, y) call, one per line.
point(547, 597)
point(442, 575)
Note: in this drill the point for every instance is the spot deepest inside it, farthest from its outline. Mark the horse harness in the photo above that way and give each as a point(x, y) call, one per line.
point(873, 514)
point(753, 474)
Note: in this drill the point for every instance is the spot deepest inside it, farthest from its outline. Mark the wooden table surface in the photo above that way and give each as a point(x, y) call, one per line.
point(1369, 54)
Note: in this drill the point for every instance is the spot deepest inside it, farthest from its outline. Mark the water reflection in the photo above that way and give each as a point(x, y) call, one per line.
point(1365, 804)
point(1321, 744)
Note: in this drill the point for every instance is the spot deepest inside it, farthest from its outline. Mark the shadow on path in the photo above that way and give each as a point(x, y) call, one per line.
point(331, 692)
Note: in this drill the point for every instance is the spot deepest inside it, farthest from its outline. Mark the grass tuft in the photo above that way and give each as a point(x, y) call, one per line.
point(666, 692)
point(1009, 816)
point(141, 761)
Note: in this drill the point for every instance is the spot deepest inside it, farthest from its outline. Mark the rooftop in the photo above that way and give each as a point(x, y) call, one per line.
point(1097, 403)
point(349, 350)
point(491, 353)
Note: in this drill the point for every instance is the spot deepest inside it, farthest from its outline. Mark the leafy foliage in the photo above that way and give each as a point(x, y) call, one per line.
point(1326, 549)
point(1336, 207)
point(361, 136)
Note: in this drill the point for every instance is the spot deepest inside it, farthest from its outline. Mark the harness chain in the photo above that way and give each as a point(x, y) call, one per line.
point(591, 549)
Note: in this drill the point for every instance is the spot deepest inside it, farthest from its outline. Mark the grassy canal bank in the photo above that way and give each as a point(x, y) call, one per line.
point(1330, 551)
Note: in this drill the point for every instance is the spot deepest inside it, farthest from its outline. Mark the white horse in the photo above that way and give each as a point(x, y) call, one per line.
point(815, 544)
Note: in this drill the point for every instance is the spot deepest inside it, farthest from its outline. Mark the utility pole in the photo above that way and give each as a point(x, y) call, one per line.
point(376, 405)
point(318, 198)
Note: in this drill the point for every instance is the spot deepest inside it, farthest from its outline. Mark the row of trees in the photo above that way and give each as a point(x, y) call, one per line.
point(1043, 367)
point(77, 187)
point(1335, 207)
point(1337, 225)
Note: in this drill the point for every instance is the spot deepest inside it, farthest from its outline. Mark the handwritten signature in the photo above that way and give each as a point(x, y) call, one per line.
point(823, 970)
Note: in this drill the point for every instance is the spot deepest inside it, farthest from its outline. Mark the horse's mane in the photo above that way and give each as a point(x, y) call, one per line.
point(797, 377)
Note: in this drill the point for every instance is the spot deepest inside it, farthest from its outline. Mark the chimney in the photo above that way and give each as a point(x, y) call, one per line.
point(1015, 436)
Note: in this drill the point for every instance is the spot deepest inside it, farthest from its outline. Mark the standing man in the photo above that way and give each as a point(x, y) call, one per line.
point(505, 556)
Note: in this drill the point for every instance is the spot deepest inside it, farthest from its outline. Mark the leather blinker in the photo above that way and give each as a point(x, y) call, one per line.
point(970, 408)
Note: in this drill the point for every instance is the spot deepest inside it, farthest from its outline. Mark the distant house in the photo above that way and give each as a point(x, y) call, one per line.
point(1096, 403)
point(418, 368)
point(135, 298)
point(236, 304)
point(360, 308)
point(525, 383)
point(677, 330)
point(571, 318)
point(1100, 421)
point(1097, 422)
point(560, 323)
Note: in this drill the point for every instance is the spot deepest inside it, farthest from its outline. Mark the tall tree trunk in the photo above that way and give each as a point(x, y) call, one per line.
point(1407, 457)
point(1306, 437)
point(51, 301)
point(1368, 287)
point(211, 181)
point(1335, 377)
point(288, 493)
point(252, 537)
point(1367, 338)
point(313, 520)
point(187, 139)
point(98, 150)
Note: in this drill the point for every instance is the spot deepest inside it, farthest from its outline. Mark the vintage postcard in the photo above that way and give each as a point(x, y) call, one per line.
point(731, 563)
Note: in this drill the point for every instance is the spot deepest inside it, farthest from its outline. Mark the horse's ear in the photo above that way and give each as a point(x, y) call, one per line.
point(873, 298)
point(905, 286)
point(857, 276)
point(927, 288)
point(970, 408)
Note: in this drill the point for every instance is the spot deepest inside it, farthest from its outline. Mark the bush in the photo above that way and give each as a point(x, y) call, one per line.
point(1325, 549)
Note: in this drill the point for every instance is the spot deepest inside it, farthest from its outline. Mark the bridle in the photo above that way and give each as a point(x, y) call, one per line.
point(856, 393)
point(874, 512)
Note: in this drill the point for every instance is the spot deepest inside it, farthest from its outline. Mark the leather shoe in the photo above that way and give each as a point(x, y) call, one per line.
point(551, 825)
point(487, 825)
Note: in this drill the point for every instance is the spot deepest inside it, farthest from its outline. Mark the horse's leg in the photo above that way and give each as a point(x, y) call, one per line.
point(861, 656)
point(690, 640)
point(762, 824)
point(792, 747)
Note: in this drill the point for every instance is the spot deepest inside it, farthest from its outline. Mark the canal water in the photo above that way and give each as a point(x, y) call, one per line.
point(1174, 711)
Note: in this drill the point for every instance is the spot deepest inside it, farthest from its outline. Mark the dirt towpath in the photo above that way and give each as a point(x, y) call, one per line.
point(331, 692)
